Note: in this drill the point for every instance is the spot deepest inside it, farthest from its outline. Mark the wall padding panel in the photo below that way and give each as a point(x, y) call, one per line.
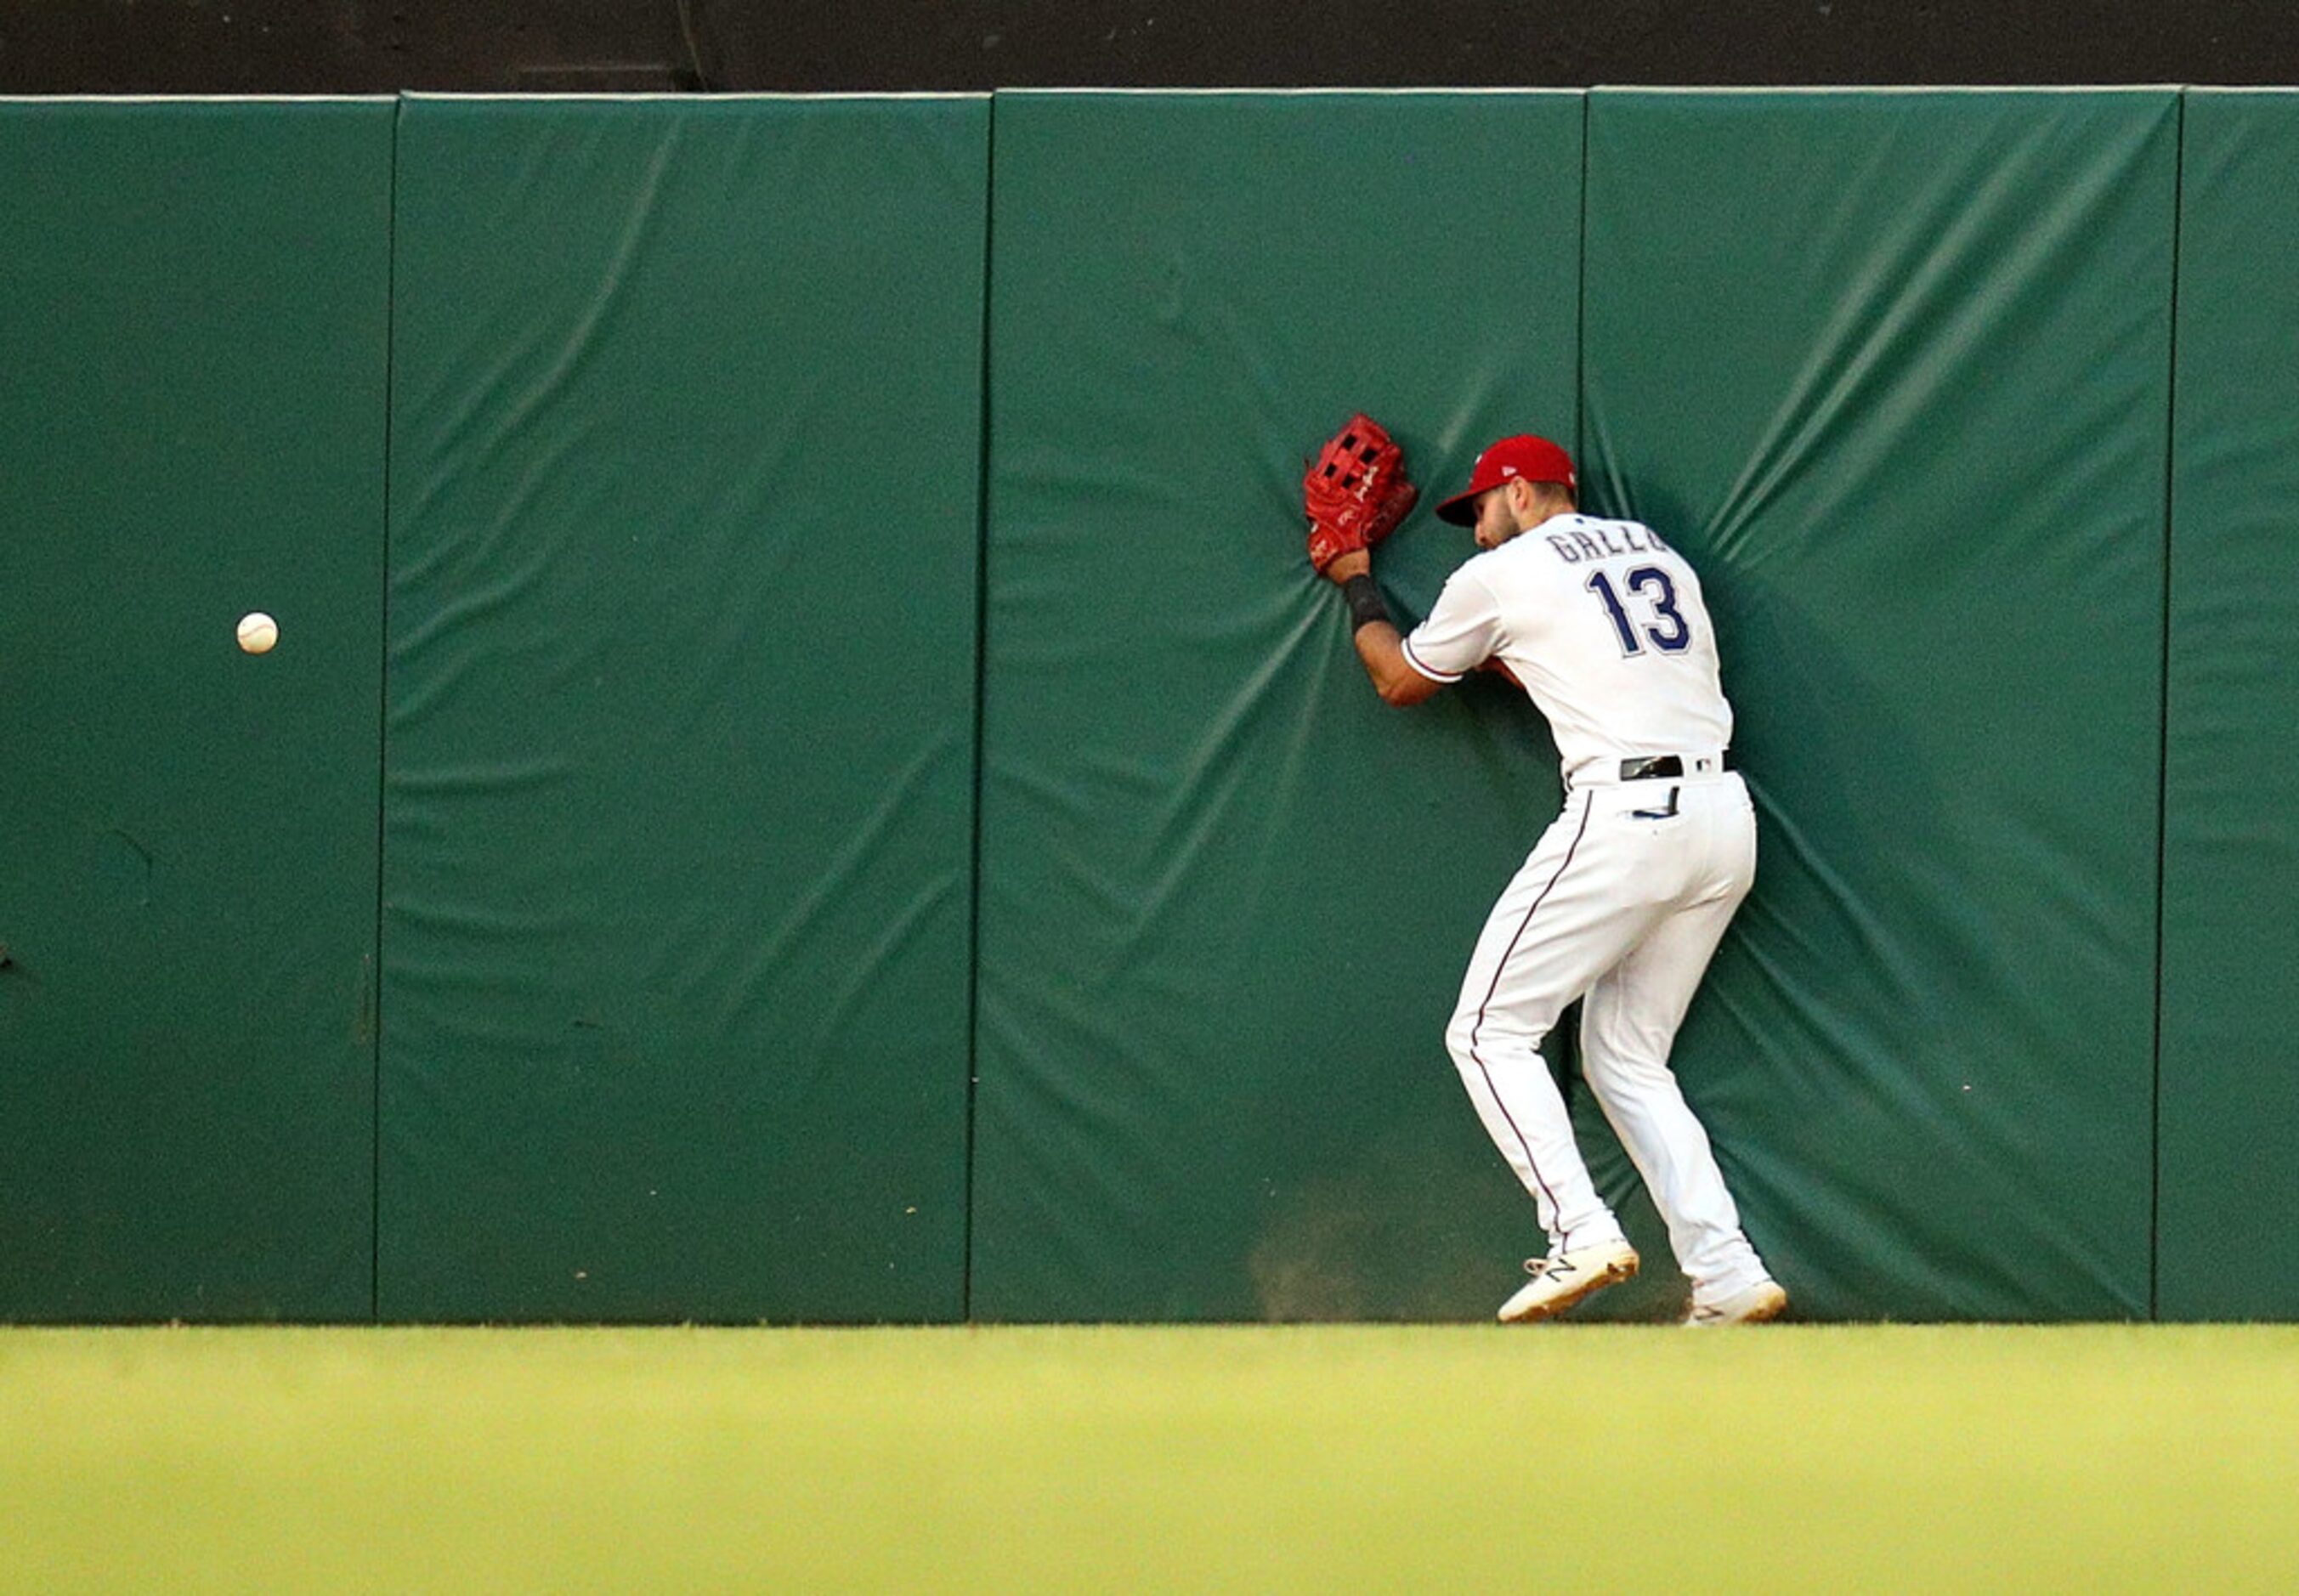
point(193, 316)
point(1226, 895)
point(685, 482)
point(1893, 369)
point(2229, 1142)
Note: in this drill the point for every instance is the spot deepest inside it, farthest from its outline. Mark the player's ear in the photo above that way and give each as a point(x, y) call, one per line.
point(1545, 499)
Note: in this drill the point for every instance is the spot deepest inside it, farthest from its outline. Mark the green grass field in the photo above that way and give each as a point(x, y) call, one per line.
point(1277, 1459)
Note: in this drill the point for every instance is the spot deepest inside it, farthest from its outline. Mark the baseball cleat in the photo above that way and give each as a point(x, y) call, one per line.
point(1560, 1282)
point(1752, 1306)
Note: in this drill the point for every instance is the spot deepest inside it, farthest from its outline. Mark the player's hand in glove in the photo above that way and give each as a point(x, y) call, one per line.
point(1355, 492)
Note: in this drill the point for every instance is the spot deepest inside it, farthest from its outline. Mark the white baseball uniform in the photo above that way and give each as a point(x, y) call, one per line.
point(1627, 894)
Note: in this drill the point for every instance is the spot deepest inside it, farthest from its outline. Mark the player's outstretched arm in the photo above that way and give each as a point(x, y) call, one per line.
point(1381, 647)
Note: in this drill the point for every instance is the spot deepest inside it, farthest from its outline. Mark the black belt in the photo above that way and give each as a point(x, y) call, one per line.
point(1663, 766)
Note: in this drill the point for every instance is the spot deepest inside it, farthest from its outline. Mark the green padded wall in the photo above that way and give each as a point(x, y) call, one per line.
point(685, 452)
point(684, 550)
point(1894, 368)
point(1226, 895)
point(193, 309)
point(2229, 1132)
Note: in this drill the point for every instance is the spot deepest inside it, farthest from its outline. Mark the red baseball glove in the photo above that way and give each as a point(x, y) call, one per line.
point(1355, 492)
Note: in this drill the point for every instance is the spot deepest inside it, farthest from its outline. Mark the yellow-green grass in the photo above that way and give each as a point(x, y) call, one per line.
point(1334, 1458)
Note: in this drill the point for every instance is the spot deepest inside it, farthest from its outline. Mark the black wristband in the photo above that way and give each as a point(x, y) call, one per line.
point(1364, 599)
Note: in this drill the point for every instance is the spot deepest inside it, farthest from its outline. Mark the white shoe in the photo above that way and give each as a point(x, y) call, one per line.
point(1751, 1305)
point(1560, 1282)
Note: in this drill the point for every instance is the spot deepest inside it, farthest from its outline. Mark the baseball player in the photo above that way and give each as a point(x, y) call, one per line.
point(1624, 898)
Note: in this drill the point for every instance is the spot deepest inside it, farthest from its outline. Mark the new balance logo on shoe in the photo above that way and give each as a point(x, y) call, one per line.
point(1568, 1279)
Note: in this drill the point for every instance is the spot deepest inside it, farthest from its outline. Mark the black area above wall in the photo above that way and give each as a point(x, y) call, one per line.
point(345, 46)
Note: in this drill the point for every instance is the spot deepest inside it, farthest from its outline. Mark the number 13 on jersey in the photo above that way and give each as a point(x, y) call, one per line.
point(1651, 585)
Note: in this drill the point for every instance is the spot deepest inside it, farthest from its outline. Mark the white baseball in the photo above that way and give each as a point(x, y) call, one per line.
point(258, 632)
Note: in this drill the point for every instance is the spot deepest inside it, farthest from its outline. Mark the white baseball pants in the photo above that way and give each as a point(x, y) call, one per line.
point(1623, 901)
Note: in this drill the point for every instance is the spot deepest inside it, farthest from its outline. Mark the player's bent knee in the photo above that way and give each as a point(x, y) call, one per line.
point(1612, 1075)
point(1460, 1038)
point(1475, 1037)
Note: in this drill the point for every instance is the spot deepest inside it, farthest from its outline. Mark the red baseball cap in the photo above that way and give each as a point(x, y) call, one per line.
point(1534, 459)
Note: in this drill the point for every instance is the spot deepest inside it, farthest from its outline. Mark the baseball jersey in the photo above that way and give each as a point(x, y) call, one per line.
point(1602, 623)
